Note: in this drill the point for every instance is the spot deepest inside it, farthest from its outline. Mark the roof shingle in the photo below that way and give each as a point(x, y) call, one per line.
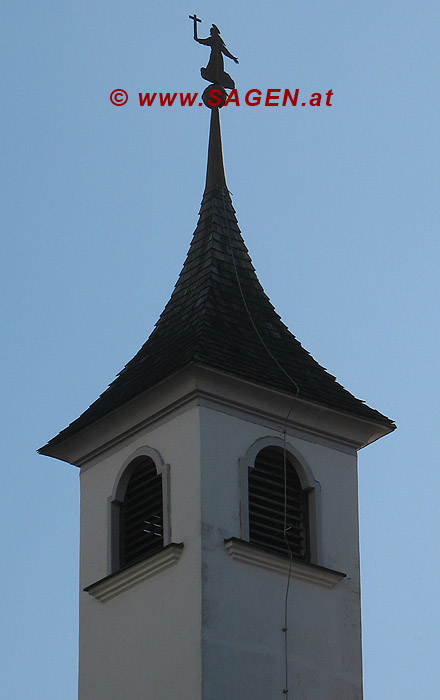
point(219, 315)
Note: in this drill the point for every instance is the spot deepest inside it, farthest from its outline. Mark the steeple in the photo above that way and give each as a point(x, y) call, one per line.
point(214, 471)
point(219, 315)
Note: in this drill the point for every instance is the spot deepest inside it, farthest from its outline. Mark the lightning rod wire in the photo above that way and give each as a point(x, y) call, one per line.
point(285, 528)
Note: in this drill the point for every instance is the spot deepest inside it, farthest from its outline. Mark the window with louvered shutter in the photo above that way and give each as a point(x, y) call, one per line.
point(267, 497)
point(141, 514)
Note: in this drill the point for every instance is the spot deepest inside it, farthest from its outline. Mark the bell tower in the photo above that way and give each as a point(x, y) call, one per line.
point(219, 516)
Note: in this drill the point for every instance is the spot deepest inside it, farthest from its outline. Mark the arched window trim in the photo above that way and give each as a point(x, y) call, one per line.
point(308, 483)
point(117, 497)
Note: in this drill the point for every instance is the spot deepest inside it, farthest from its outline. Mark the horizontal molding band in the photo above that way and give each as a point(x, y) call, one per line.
point(111, 586)
point(243, 551)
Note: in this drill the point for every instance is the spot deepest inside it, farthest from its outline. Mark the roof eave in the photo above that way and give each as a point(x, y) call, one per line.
point(204, 385)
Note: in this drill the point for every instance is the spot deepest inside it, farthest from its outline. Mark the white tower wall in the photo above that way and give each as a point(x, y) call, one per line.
point(144, 643)
point(243, 604)
point(208, 625)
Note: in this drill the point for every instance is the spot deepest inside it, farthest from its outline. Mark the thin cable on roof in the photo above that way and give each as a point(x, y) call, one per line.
point(286, 598)
point(247, 308)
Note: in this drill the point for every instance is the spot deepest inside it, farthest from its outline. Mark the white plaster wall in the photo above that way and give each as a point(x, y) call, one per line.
point(144, 644)
point(243, 606)
point(209, 627)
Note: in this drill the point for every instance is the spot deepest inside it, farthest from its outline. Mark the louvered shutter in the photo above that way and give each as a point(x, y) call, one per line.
point(141, 514)
point(266, 506)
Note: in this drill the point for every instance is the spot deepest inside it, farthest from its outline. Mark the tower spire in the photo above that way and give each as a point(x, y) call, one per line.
point(218, 315)
point(215, 172)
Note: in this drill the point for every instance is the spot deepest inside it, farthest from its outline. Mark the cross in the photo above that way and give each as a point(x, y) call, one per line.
point(195, 19)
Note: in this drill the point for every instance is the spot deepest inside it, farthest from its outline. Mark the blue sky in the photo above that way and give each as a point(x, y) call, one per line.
point(339, 208)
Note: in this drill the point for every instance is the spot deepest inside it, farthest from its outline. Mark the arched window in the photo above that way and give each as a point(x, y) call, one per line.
point(278, 505)
point(140, 512)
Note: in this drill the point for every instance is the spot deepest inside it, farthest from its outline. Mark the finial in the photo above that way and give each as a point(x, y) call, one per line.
point(214, 97)
point(215, 71)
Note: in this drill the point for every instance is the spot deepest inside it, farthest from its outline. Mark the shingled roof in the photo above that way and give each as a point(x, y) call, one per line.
point(219, 315)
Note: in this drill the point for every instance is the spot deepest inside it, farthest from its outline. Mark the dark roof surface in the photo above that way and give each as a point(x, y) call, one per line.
point(219, 315)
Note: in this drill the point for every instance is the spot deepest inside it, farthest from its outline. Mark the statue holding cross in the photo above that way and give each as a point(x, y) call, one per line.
point(215, 71)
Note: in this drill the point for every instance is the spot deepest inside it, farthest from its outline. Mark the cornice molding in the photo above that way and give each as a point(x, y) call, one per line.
point(243, 551)
point(198, 385)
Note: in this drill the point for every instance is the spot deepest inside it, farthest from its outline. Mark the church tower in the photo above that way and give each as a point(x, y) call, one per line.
point(219, 498)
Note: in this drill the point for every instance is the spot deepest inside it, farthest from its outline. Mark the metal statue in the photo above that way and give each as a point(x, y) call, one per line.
point(215, 71)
